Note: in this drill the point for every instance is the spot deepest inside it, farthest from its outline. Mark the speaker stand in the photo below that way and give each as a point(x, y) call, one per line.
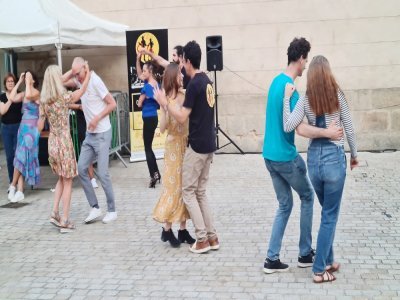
point(217, 126)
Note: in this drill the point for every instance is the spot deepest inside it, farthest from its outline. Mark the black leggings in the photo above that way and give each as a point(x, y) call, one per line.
point(149, 128)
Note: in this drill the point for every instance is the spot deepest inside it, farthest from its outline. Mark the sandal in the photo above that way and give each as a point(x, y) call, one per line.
point(55, 218)
point(333, 267)
point(324, 277)
point(66, 226)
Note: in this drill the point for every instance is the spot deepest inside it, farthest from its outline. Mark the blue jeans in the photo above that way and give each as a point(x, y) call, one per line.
point(285, 176)
point(9, 132)
point(327, 168)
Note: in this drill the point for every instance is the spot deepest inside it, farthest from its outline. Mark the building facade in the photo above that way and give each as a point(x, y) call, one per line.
point(360, 38)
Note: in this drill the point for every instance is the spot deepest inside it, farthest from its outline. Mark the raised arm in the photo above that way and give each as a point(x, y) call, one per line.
point(14, 95)
point(158, 59)
point(67, 79)
point(292, 120)
point(138, 65)
point(31, 93)
point(76, 95)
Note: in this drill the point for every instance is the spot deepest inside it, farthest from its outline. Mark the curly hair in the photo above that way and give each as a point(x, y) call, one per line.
point(192, 52)
point(298, 48)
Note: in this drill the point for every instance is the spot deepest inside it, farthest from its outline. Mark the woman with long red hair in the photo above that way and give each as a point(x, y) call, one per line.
point(324, 103)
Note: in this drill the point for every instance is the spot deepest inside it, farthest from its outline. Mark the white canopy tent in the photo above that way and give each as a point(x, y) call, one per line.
point(41, 25)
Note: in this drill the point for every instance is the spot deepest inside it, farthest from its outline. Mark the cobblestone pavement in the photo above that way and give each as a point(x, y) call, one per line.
point(127, 260)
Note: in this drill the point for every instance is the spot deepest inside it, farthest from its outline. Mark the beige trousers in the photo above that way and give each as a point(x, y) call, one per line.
point(195, 170)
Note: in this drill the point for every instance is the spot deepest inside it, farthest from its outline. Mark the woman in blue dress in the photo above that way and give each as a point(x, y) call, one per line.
point(26, 162)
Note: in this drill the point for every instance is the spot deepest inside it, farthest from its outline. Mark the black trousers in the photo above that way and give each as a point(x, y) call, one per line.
point(149, 128)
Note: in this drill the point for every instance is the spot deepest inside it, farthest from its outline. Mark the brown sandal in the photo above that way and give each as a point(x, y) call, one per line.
point(66, 226)
point(334, 267)
point(55, 218)
point(325, 277)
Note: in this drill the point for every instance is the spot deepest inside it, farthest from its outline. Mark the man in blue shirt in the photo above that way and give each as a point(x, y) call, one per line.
point(285, 165)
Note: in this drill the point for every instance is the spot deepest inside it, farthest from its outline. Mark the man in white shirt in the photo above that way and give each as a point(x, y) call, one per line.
point(97, 104)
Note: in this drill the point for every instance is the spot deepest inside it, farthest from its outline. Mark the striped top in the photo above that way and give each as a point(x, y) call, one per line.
point(292, 120)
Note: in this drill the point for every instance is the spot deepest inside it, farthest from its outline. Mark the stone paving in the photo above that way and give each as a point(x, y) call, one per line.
point(127, 260)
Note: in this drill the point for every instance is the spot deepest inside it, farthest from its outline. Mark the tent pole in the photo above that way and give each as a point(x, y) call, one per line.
point(59, 59)
point(10, 63)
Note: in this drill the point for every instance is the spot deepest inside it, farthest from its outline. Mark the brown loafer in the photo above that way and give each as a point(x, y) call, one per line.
point(214, 243)
point(200, 247)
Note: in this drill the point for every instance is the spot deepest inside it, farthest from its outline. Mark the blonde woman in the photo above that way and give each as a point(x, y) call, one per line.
point(54, 102)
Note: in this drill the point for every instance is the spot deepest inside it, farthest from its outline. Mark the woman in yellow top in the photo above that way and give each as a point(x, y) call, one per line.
point(170, 207)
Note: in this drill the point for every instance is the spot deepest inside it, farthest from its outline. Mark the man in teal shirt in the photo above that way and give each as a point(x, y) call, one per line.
point(286, 166)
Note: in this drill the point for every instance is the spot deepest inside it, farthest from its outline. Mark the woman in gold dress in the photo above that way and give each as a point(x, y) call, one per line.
point(170, 207)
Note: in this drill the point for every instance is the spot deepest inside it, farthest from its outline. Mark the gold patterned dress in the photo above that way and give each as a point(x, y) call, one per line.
point(170, 207)
point(61, 150)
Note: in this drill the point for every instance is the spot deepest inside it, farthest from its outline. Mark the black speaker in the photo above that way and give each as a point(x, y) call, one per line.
point(214, 53)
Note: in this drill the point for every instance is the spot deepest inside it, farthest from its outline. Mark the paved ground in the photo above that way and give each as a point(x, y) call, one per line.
point(127, 260)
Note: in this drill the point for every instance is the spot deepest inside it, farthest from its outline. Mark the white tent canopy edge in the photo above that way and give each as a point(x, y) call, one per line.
point(41, 25)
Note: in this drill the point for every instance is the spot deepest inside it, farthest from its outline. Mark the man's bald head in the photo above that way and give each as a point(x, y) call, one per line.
point(77, 68)
point(78, 62)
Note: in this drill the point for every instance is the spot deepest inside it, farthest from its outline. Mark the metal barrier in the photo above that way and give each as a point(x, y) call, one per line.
point(119, 119)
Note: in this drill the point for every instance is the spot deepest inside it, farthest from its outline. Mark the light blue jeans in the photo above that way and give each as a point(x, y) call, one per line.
point(285, 176)
point(327, 168)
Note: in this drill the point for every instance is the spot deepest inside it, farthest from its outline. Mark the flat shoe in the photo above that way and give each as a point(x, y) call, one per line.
point(325, 277)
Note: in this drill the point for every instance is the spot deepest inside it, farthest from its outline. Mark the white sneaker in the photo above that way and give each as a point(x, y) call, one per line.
point(11, 192)
point(94, 214)
point(18, 197)
point(109, 217)
point(94, 183)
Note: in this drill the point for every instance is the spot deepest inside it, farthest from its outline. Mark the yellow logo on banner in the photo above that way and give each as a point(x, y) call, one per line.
point(210, 95)
point(148, 41)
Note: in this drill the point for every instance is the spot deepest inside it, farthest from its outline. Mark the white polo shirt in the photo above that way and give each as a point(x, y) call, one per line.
point(93, 102)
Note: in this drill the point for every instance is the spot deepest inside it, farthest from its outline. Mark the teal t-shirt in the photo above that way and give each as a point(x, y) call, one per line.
point(278, 145)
